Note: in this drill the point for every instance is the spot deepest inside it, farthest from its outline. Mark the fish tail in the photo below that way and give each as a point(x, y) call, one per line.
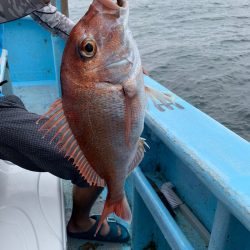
point(120, 208)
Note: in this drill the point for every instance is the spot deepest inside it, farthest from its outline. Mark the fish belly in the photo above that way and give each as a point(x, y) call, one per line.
point(98, 120)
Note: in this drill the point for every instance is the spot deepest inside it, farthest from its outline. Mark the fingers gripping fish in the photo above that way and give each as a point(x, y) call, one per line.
point(100, 117)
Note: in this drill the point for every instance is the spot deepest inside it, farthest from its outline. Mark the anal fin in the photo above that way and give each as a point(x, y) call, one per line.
point(57, 122)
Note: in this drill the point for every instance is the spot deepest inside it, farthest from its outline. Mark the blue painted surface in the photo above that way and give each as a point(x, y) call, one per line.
point(30, 48)
point(205, 161)
point(163, 219)
point(59, 5)
point(238, 236)
point(161, 159)
point(34, 61)
point(1, 36)
point(176, 170)
point(58, 46)
point(216, 155)
point(37, 98)
point(220, 228)
point(145, 232)
point(228, 232)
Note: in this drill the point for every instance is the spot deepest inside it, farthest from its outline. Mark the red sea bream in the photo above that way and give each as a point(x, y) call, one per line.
point(100, 117)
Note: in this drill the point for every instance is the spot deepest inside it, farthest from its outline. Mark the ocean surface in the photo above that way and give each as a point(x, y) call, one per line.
point(198, 49)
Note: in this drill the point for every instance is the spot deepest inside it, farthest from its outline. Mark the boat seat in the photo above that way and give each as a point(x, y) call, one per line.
point(31, 210)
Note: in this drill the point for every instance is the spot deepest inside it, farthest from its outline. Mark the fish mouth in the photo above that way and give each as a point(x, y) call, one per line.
point(121, 3)
point(119, 63)
point(113, 65)
point(115, 72)
point(114, 5)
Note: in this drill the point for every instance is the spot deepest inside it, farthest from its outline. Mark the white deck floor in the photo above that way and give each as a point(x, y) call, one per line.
point(31, 210)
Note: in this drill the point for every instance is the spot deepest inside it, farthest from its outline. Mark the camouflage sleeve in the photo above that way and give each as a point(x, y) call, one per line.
point(14, 9)
point(53, 20)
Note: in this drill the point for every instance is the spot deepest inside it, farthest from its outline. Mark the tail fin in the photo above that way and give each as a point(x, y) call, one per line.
point(120, 208)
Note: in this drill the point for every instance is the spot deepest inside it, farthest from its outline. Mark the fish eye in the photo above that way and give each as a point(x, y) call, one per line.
point(88, 48)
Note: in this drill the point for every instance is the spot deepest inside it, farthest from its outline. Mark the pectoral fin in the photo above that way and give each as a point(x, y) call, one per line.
point(162, 100)
point(67, 143)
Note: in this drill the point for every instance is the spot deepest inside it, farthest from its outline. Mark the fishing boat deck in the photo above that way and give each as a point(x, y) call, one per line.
point(43, 96)
point(207, 164)
point(37, 98)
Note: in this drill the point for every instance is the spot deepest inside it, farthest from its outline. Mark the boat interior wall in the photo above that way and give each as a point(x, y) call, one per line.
point(24, 39)
point(209, 168)
point(157, 239)
point(34, 58)
point(1, 37)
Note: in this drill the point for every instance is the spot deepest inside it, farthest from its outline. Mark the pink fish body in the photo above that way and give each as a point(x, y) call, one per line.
point(104, 98)
point(100, 117)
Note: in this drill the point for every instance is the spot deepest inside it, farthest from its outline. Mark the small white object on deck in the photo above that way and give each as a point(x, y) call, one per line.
point(31, 210)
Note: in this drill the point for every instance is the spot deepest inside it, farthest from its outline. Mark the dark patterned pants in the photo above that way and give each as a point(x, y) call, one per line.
point(22, 144)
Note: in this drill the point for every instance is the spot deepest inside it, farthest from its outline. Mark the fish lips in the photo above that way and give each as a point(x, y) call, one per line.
point(119, 9)
point(112, 5)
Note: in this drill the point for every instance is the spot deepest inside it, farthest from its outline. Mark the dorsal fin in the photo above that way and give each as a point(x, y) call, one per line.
point(67, 142)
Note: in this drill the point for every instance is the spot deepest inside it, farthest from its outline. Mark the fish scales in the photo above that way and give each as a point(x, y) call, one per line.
point(103, 102)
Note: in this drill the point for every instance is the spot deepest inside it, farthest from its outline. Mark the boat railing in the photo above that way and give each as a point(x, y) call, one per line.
point(219, 159)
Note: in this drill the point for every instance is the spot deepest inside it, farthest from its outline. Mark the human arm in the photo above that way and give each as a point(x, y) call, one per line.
point(14, 9)
point(53, 20)
point(41, 11)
